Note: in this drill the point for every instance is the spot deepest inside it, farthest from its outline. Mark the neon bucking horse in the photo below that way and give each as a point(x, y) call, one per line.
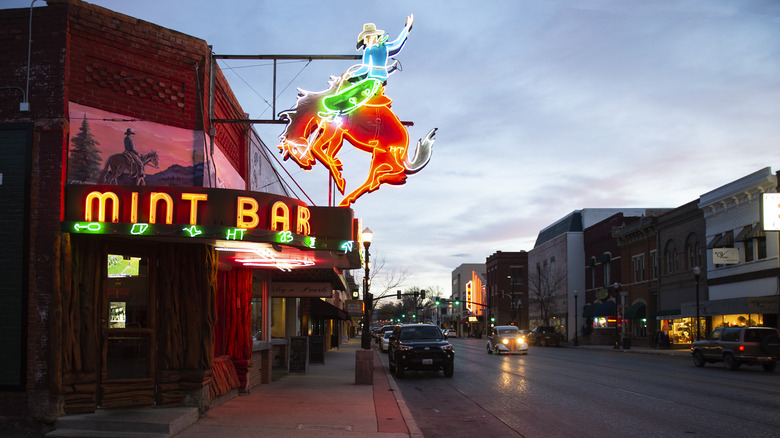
point(354, 108)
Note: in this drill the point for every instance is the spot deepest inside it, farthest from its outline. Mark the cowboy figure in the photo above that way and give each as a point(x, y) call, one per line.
point(376, 51)
point(133, 154)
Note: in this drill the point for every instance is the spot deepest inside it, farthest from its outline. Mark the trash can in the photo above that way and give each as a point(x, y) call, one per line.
point(626, 343)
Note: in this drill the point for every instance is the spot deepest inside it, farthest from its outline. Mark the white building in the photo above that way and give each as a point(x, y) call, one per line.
point(742, 260)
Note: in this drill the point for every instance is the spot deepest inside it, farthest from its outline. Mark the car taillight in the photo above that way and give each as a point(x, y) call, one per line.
point(741, 348)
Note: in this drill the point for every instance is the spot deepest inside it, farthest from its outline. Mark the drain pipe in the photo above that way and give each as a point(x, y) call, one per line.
point(25, 106)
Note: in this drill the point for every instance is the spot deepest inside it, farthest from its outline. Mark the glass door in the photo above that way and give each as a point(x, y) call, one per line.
point(129, 335)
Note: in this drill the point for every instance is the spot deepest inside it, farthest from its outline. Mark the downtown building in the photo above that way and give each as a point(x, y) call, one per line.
point(170, 286)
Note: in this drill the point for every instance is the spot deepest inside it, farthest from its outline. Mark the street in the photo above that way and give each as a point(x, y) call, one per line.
point(590, 393)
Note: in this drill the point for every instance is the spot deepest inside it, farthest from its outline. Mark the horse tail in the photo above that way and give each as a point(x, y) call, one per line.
point(104, 172)
point(422, 154)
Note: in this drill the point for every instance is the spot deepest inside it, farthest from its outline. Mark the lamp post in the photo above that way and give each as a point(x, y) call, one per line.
point(576, 324)
point(368, 301)
point(616, 286)
point(696, 275)
point(515, 317)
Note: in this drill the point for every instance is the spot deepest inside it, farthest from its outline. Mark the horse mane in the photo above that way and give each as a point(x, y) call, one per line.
point(307, 105)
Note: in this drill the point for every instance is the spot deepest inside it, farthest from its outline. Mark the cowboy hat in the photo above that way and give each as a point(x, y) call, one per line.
point(369, 29)
point(129, 132)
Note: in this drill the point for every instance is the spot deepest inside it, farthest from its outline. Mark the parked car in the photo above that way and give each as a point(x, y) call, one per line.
point(420, 347)
point(544, 335)
point(506, 339)
point(737, 345)
point(452, 333)
point(384, 341)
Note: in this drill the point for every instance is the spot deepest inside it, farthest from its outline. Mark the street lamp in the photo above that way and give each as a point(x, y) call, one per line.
point(368, 301)
point(696, 275)
point(616, 286)
point(514, 303)
point(576, 325)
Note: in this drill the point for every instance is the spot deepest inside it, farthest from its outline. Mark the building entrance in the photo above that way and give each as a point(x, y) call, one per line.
point(128, 332)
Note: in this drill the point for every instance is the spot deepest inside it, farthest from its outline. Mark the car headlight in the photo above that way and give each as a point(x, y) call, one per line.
point(505, 341)
point(447, 347)
point(403, 347)
point(521, 340)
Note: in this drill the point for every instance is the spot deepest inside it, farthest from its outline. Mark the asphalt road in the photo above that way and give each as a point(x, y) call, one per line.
point(565, 392)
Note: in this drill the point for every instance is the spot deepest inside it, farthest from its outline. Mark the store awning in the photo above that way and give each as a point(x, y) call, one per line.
point(661, 313)
point(605, 309)
point(587, 311)
point(637, 310)
point(324, 310)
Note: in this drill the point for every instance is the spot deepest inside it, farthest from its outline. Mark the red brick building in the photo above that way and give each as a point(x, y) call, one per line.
point(507, 287)
point(175, 326)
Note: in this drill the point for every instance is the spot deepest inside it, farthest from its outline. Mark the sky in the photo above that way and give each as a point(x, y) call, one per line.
point(542, 107)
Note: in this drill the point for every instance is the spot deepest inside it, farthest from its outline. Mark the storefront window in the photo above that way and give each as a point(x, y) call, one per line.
point(277, 317)
point(257, 318)
point(742, 320)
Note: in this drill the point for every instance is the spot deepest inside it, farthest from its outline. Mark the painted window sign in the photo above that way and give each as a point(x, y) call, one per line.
point(355, 109)
point(204, 213)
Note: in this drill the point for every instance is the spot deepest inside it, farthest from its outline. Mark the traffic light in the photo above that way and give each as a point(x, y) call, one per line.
point(438, 302)
point(398, 294)
point(422, 294)
point(457, 302)
point(416, 294)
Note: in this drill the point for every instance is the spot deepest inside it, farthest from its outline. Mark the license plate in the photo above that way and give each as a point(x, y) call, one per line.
point(427, 361)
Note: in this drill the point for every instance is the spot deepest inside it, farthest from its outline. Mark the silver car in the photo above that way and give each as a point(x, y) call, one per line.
point(506, 339)
point(384, 341)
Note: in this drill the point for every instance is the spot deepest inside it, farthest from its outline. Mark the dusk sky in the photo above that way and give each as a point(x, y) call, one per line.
point(542, 107)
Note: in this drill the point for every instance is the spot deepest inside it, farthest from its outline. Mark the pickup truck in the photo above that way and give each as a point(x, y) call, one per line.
point(544, 336)
point(737, 345)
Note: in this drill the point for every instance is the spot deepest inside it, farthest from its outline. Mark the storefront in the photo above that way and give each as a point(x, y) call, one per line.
point(167, 301)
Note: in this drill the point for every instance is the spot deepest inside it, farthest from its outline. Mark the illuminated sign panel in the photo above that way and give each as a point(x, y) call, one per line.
point(469, 296)
point(206, 213)
point(770, 211)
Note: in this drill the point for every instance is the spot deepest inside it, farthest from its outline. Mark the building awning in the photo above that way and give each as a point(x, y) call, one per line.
point(587, 311)
point(742, 236)
point(325, 310)
point(606, 308)
point(637, 310)
point(661, 313)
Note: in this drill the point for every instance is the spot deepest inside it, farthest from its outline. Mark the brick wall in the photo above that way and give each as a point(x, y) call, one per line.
point(92, 56)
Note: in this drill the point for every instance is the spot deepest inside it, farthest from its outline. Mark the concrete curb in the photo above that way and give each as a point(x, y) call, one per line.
point(414, 431)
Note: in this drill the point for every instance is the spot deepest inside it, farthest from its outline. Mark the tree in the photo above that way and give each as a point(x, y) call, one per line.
point(384, 280)
point(84, 161)
point(544, 287)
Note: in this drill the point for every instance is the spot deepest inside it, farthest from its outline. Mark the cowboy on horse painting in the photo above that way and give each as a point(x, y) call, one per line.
point(354, 108)
point(129, 163)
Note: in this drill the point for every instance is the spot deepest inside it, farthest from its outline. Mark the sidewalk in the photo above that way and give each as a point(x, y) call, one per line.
point(325, 402)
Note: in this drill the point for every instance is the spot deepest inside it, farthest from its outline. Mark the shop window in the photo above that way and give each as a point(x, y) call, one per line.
point(257, 319)
point(607, 273)
point(277, 317)
point(749, 250)
point(761, 247)
point(640, 328)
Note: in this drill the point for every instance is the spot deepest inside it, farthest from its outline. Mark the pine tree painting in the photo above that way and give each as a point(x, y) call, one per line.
point(84, 161)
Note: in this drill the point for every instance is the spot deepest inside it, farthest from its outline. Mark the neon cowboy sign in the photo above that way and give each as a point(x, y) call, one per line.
point(206, 213)
point(355, 109)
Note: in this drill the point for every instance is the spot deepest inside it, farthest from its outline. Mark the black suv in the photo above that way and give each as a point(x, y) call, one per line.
point(420, 347)
point(544, 336)
point(737, 345)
